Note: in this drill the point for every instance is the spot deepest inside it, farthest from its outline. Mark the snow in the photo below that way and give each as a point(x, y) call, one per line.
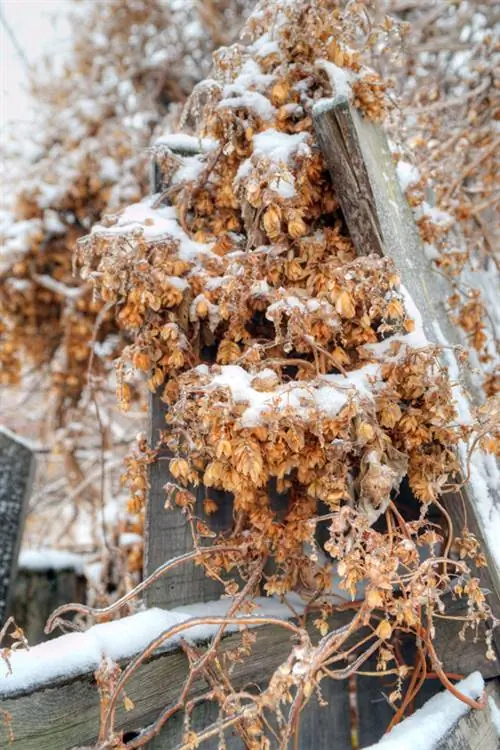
point(49, 282)
point(250, 75)
point(284, 186)
point(78, 653)
point(339, 77)
point(110, 171)
point(279, 147)
point(29, 444)
point(156, 224)
point(415, 340)
point(128, 538)
point(16, 238)
point(190, 169)
point(189, 144)
point(264, 46)
point(52, 222)
point(329, 394)
point(323, 105)
point(484, 480)
point(407, 175)
point(250, 100)
point(50, 559)
point(484, 476)
point(441, 218)
point(427, 726)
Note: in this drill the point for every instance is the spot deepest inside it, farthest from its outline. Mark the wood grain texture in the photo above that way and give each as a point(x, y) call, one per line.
point(475, 730)
point(167, 533)
point(66, 713)
point(16, 476)
point(380, 221)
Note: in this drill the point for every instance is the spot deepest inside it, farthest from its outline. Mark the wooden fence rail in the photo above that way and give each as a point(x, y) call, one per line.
point(59, 714)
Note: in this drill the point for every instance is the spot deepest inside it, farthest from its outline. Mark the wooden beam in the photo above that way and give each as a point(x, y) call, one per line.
point(377, 214)
point(16, 475)
point(380, 221)
point(65, 712)
point(476, 730)
point(37, 593)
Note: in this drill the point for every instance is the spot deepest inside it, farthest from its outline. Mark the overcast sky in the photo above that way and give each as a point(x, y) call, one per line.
point(40, 28)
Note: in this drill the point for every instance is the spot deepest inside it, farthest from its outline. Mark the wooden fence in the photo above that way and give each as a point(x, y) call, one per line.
point(63, 714)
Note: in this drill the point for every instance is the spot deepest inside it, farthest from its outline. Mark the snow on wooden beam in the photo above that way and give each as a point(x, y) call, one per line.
point(44, 712)
point(16, 473)
point(445, 723)
point(52, 702)
point(380, 221)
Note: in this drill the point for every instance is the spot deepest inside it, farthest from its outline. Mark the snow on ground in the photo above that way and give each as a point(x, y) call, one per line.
point(427, 726)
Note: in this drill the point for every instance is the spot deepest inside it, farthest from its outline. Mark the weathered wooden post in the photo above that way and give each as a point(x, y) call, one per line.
point(380, 221)
point(16, 474)
point(167, 534)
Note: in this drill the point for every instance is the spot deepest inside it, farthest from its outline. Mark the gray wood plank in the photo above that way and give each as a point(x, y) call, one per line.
point(65, 713)
point(16, 476)
point(167, 533)
point(380, 221)
point(476, 730)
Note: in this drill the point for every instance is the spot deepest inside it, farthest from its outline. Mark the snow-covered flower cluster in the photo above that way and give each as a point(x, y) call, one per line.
point(297, 374)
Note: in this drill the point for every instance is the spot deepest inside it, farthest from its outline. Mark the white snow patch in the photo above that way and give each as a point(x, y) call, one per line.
point(323, 105)
point(155, 224)
point(427, 726)
point(29, 444)
point(495, 714)
point(250, 100)
point(328, 395)
point(190, 144)
point(279, 147)
point(250, 76)
point(441, 218)
point(50, 559)
point(484, 480)
point(407, 175)
point(190, 169)
point(339, 77)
